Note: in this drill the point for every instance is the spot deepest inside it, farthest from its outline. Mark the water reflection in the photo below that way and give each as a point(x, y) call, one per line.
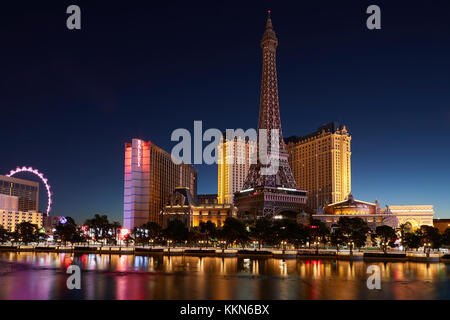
point(42, 276)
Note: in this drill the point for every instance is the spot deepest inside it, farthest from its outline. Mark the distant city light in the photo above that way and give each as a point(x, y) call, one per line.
point(63, 220)
point(43, 179)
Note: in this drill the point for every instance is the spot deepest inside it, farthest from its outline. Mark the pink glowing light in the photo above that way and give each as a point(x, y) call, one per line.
point(139, 153)
point(124, 232)
point(43, 179)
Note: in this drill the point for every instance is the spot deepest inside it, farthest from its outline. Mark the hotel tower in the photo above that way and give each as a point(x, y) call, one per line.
point(233, 165)
point(150, 179)
point(321, 164)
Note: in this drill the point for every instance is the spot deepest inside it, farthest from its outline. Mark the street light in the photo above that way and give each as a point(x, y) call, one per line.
point(429, 248)
point(283, 245)
point(350, 244)
point(222, 244)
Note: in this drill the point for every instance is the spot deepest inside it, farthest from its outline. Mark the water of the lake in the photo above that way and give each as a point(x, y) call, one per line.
point(43, 276)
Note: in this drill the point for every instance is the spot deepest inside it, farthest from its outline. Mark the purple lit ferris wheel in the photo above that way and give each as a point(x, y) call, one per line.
point(41, 176)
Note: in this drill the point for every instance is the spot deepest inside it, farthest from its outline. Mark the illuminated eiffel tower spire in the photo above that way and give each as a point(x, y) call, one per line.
point(269, 117)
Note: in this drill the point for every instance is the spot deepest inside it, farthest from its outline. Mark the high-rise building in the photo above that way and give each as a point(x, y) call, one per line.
point(150, 178)
point(27, 191)
point(321, 164)
point(10, 219)
point(9, 202)
point(268, 194)
point(234, 163)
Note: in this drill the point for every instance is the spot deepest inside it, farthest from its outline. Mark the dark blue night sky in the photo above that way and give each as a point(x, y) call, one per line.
point(70, 99)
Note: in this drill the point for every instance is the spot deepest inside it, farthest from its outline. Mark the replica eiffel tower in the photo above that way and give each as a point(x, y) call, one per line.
point(270, 195)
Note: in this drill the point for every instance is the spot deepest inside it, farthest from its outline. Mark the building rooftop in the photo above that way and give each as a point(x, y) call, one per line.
point(331, 127)
point(20, 181)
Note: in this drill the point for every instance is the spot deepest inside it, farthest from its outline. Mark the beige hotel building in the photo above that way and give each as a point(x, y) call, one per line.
point(19, 200)
point(321, 164)
point(10, 219)
point(233, 165)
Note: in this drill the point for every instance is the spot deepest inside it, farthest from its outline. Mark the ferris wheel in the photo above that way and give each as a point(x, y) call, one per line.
point(43, 179)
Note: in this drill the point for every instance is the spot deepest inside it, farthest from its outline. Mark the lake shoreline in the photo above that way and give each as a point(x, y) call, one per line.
point(367, 255)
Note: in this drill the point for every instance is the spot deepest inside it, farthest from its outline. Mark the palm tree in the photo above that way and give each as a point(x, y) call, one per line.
point(100, 226)
point(404, 228)
point(115, 225)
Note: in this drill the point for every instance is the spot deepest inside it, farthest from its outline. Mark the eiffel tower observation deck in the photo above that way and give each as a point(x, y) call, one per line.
point(265, 194)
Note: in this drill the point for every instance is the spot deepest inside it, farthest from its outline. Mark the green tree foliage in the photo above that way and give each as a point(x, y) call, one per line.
point(412, 241)
point(5, 236)
point(337, 238)
point(430, 235)
point(386, 236)
point(139, 235)
point(115, 227)
point(234, 230)
point(262, 231)
point(26, 232)
point(195, 235)
point(446, 237)
point(147, 232)
point(151, 231)
point(353, 231)
point(176, 231)
point(208, 229)
point(319, 232)
point(68, 232)
point(289, 231)
point(100, 227)
point(404, 228)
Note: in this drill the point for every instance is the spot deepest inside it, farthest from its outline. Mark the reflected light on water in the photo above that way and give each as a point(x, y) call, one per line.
point(42, 276)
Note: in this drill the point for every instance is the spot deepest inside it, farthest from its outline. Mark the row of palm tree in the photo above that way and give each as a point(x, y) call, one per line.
point(348, 232)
